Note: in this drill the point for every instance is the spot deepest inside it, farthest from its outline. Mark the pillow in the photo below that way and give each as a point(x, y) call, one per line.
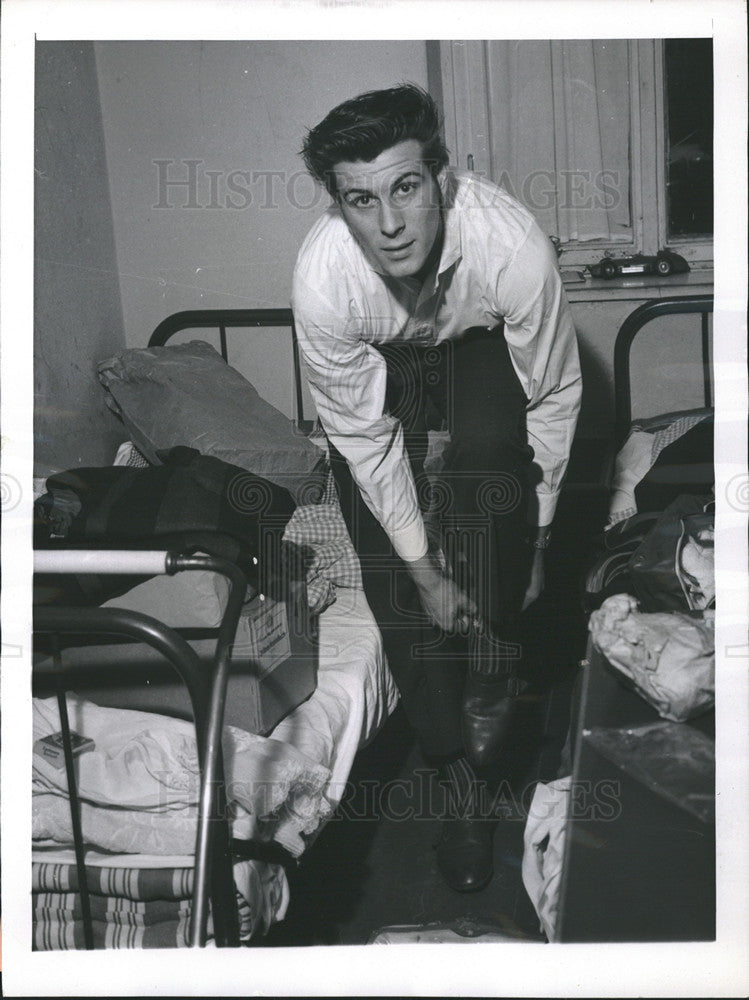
point(188, 395)
point(186, 600)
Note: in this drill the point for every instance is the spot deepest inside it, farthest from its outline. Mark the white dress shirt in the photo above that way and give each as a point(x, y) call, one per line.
point(495, 265)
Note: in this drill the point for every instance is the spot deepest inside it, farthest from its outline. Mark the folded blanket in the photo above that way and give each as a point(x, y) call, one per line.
point(144, 908)
point(58, 923)
point(186, 394)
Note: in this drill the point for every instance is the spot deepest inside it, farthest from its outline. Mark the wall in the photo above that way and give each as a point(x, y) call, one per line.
point(239, 111)
point(77, 314)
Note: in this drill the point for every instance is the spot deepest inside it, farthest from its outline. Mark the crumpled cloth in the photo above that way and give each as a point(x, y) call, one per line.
point(543, 850)
point(318, 527)
point(139, 786)
point(639, 453)
point(321, 529)
point(697, 561)
point(668, 656)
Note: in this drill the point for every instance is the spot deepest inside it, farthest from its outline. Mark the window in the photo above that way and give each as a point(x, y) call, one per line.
point(688, 102)
point(609, 143)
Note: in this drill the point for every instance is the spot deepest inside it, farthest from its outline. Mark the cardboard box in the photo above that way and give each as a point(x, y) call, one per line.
point(52, 749)
point(273, 665)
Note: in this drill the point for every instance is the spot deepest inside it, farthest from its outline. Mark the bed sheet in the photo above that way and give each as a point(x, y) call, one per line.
point(355, 694)
point(282, 787)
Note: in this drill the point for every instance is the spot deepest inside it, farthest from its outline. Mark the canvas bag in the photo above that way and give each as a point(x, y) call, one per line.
point(672, 569)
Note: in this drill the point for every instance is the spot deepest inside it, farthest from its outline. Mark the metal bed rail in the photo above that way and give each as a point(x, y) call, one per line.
point(213, 853)
point(628, 331)
point(224, 319)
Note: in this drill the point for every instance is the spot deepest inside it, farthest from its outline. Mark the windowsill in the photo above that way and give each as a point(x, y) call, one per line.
point(640, 288)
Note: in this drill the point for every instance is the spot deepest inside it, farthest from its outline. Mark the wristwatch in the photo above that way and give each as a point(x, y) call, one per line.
point(541, 542)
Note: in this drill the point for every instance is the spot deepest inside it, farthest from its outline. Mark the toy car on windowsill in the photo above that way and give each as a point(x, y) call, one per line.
point(665, 262)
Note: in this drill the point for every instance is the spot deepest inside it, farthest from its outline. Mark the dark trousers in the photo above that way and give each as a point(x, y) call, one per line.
point(478, 502)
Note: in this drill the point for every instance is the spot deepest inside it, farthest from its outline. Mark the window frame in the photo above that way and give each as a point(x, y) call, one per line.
point(466, 119)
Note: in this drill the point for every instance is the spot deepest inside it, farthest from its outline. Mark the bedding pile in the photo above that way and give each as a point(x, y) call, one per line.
point(139, 783)
point(142, 907)
point(187, 394)
point(647, 441)
point(138, 790)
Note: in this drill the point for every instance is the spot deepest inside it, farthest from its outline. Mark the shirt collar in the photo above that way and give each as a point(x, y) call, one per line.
point(452, 249)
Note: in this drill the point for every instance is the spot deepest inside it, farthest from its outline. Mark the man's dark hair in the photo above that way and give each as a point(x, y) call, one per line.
point(367, 125)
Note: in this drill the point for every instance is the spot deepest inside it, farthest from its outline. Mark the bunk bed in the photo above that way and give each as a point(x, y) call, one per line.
point(191, 743)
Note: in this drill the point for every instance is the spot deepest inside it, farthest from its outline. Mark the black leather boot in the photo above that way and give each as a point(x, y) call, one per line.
point(487, 715)
point(464, 849)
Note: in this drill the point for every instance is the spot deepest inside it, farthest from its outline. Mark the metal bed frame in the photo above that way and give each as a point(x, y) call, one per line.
point(223, 319)
point(629, 329)
point(213, 879)
point(215, 850)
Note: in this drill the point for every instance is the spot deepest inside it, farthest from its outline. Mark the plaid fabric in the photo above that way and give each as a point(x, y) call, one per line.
point(321, 529)
point(639, 453)
point(130, 907)
point(330, 496)
point(616, 516)
point(665, 436)
point(128, 454)
point(136, 460)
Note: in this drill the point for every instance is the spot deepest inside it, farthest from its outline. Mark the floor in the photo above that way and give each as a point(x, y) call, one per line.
point(374, 865)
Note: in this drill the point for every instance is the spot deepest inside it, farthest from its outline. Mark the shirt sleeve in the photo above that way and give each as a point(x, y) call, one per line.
point(347, 379)
point(543, 347)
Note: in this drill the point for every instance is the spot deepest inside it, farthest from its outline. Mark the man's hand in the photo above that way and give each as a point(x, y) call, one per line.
point(443, 601)
point(537, 579)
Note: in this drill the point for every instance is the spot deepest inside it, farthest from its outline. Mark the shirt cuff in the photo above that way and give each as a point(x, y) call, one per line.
point(411, 543)
point(547, 506)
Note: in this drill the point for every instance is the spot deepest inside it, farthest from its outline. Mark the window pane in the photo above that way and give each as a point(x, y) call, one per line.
point(689, 153)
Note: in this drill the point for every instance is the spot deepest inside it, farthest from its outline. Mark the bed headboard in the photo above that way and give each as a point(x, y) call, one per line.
point(629, 329)
point(236, 319)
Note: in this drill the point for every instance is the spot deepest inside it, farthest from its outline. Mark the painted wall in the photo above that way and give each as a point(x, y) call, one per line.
point(77, 314)
point(238, 112)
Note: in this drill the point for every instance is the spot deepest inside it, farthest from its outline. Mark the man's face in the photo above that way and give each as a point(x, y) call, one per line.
point(392, 207)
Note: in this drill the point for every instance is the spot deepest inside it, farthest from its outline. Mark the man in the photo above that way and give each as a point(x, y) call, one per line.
point(424, 299)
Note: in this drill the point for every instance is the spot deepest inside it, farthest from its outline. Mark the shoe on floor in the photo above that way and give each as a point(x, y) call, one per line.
point(464, 853)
